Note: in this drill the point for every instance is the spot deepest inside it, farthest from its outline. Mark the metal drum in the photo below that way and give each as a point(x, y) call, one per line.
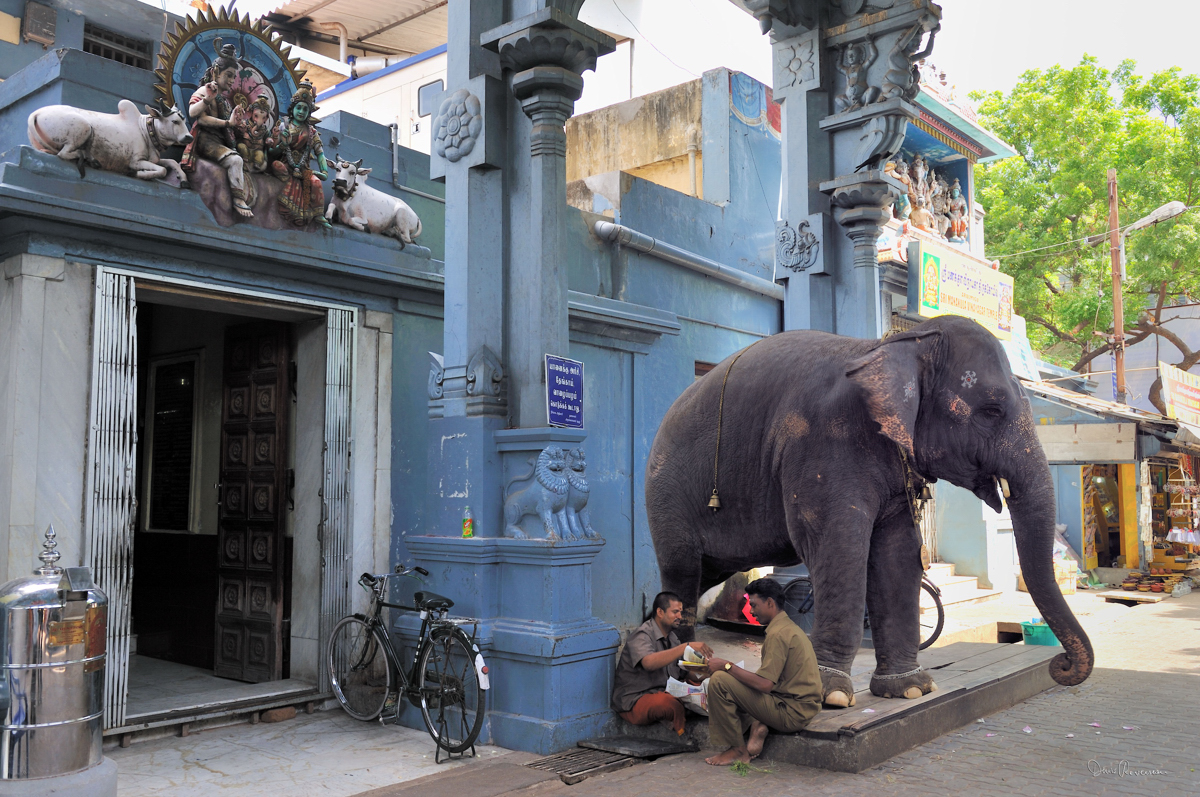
point(52, 651)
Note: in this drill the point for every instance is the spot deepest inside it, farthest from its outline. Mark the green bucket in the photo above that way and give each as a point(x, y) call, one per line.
point(1039, 634)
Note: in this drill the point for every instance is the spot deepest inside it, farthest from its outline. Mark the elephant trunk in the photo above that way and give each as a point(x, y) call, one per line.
point(1032, 507)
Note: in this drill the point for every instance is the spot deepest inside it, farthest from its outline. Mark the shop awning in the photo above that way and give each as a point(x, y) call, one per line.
point(1112, 435)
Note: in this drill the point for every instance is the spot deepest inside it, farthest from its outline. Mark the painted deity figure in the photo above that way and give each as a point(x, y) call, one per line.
point(853, 64)
point(903, 75)
point(939, 203)
point(215, 124)
point(917, 172)
point(958, 213)
point(298, 144)
point(902, 208)
point(255, 136)
point(921, 217)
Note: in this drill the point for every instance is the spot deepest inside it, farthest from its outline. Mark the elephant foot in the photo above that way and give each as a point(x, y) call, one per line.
point(910, 685)
point(836, 687)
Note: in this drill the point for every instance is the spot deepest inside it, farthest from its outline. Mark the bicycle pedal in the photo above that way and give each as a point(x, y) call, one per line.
point(391, 707)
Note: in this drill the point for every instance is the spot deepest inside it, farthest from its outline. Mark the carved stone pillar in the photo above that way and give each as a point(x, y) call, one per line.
point(862, 203)
point(844, 73)
point(545, 54)
point(467, 385)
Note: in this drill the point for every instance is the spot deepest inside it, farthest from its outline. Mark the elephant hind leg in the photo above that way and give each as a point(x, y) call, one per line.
point(680, 570)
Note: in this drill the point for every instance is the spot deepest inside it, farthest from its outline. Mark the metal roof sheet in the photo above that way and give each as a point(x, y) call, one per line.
point(422, 23)
point(1096, 405)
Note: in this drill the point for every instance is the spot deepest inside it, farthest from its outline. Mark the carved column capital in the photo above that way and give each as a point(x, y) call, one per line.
point(862, 204)
point(549, 37)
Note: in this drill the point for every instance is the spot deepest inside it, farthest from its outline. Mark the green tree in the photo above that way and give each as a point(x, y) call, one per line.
point(1069, 126)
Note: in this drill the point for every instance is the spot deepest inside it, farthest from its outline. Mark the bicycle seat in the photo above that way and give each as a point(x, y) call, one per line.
point(431, 601)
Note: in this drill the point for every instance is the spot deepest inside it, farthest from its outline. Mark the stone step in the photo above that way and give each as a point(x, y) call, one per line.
point(957, 586)
point(961, 598)
point(940, 570)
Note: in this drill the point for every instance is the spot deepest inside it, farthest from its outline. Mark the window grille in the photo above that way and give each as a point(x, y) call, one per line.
point(116, 47)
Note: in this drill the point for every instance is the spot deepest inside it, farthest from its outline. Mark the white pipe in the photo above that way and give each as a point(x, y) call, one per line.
point(343, 37)
point(625, 236)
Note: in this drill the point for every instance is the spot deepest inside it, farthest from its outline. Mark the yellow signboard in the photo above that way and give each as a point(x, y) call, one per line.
point(943, 280)
point(1181, 394)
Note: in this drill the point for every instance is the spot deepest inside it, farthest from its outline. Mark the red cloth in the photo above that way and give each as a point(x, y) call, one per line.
point(655, 707)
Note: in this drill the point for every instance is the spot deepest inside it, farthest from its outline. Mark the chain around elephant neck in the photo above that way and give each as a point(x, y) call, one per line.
point(714, 501)
point(910, 498)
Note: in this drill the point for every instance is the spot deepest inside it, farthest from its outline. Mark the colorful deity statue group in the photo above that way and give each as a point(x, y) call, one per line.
point(242, 137)
point(932, 204)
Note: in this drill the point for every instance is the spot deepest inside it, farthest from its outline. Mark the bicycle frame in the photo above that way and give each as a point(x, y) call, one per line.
point(430, 621)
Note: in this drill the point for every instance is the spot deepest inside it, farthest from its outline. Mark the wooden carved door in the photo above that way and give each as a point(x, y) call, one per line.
point(250, 600)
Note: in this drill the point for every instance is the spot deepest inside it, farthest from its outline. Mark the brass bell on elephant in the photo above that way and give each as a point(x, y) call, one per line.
point(714, 503)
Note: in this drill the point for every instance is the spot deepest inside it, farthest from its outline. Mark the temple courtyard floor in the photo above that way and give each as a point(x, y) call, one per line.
point(1132, 728)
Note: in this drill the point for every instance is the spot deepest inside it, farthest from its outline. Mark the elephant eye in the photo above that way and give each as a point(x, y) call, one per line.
point(991, 411)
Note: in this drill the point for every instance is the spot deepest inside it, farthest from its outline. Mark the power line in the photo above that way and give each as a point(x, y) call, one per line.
point(1065, 243)
point(647, 41)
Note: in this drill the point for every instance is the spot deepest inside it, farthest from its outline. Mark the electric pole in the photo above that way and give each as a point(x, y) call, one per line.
point(1114, 237)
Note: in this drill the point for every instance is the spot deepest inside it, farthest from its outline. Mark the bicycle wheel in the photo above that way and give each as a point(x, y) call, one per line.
point(931, 621)
point(358, 668)
point(451, 695)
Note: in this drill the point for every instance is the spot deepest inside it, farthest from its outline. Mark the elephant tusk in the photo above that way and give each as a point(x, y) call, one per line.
point(1004, 487)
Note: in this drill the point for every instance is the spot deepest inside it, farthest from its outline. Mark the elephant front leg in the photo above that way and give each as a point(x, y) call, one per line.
point(837, 563)
point(893, 599)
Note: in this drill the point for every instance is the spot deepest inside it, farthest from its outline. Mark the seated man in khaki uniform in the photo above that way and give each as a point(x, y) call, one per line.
point(784, 695)
point(651, 654)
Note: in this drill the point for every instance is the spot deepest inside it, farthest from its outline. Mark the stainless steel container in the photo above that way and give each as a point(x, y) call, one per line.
point(52, 652)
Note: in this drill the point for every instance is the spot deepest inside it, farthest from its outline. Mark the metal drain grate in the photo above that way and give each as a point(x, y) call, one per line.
point(575, 765)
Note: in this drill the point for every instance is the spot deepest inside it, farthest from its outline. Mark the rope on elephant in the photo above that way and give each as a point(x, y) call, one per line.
point(823, 668)
point(714, 502)
point(877, 676)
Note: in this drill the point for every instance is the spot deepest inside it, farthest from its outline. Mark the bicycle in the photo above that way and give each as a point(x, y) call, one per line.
point(447, 678)
point(798, 601)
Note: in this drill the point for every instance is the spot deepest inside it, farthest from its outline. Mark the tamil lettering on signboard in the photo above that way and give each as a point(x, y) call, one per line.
point(943, 280)
point(564, 392)
point(1181, 394)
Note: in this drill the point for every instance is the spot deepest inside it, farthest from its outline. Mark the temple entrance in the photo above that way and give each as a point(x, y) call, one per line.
point(219, 464)
point(212, 590)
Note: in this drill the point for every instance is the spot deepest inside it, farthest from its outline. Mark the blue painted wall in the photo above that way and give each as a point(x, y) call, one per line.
point(134, 19)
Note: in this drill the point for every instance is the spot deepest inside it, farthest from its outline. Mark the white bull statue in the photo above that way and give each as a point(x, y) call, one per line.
point(359, 206)
point(127, 141)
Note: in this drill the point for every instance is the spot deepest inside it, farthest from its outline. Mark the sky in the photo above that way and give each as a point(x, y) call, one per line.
point(987, 45)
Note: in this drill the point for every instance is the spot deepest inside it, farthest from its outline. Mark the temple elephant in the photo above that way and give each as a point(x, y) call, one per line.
point(817, 434)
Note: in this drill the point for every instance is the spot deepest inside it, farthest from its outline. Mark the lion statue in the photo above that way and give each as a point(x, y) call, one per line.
point(578, 521)
point(542, 492)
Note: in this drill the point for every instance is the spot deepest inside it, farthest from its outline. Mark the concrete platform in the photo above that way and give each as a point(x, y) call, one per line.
point(974, 679)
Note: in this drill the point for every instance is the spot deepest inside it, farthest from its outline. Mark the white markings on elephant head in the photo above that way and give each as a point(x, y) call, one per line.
point(969, 379)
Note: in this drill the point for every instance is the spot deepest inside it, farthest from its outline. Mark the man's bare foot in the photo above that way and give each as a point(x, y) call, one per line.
point(729, 756)
point(243, 209)
point(758, 735)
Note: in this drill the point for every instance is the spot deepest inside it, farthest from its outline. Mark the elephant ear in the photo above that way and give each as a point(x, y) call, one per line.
point(891, 377)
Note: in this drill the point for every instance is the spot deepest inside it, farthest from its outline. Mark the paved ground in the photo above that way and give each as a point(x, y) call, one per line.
point(1147, 680)
point(328, 753)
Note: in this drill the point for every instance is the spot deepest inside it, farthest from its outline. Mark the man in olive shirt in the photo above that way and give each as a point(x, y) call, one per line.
point(784, 695)
point(651, 654)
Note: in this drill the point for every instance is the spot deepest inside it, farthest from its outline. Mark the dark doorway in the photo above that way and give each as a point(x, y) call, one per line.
point(182, 566)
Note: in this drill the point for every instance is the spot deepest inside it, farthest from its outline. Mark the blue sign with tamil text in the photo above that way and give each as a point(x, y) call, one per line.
point(564, 392)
